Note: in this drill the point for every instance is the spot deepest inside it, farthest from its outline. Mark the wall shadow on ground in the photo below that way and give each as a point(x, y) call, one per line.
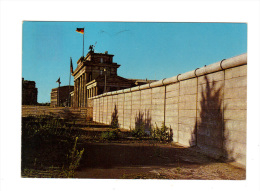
point(111, 155)
point(210, 125)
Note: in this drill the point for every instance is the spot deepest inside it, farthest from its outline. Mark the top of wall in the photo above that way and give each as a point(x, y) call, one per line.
point(219, 66)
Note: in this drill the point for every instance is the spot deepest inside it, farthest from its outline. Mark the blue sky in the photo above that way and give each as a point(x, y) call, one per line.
point(144, 50)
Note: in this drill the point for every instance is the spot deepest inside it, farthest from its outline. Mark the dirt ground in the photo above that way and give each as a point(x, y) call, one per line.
point(150, 160)
point(45, 154)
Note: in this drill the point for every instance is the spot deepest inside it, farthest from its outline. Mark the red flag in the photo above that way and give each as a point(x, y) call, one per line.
point(80, 30)
point(71, 66)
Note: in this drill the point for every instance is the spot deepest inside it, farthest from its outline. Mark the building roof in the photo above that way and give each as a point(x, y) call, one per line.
point(110, 79)
point(141, 81)
point(63, 87)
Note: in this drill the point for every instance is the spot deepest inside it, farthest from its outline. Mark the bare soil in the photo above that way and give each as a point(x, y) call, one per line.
point(151, 160)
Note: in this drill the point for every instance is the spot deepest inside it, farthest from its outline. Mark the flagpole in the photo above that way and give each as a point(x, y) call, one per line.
point(59, 95)
point(69, 86)
point(58, 101)
point(83, 41)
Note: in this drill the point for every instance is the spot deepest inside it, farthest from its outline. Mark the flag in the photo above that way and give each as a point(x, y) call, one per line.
point(71, 66)
point(58, 81)
point(80, 30)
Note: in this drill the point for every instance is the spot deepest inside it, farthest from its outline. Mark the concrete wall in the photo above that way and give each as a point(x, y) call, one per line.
point(205, 107)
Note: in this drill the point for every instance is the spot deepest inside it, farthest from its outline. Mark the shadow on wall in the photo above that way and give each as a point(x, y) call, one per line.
point(114, 119)
point(143, 122)
point(210, 125)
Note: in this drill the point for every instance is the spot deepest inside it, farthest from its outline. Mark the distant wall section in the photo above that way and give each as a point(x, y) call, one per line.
point(79, 114)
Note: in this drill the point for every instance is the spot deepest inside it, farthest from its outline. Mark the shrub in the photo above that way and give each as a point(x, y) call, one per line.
point(138, 132)
point(162, 134)
point(110, 135)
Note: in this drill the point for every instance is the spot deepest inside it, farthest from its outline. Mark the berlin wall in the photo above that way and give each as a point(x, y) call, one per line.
point(205, 107)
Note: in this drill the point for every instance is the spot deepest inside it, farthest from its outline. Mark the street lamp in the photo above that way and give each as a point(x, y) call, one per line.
point(105, 72)
point(58, 81)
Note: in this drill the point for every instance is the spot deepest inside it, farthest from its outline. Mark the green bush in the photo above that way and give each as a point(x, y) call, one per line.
point(110, 135)
point(138, 132)
point(162, 134)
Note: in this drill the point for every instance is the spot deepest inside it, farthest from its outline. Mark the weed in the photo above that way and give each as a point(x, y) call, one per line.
point(178, 169)
point(74, 157)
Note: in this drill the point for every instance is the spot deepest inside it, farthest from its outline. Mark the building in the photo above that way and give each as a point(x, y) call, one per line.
point(61, 93)
point(96, 74)
point(29, 92)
